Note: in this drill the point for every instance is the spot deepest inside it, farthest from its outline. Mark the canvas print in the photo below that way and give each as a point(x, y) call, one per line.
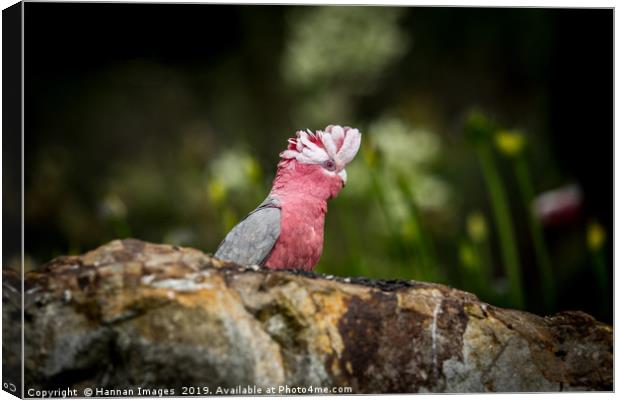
point(235, 199)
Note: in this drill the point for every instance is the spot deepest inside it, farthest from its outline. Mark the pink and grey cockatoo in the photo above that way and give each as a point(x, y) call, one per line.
point(286, 230)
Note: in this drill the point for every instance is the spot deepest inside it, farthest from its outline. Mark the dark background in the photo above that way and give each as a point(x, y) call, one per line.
point(136, 113)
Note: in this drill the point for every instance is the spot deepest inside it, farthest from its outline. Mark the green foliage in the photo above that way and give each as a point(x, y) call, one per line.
point(501, 210)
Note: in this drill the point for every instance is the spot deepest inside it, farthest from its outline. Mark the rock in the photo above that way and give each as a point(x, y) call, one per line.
point(132, 315)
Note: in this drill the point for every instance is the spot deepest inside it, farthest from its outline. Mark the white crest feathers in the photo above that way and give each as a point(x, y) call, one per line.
point(337, 143)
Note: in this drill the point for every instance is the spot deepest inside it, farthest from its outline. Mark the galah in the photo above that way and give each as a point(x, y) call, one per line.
point(286, 229)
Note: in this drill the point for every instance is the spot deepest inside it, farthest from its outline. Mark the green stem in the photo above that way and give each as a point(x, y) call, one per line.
point(483, 251)
point(499, 202)
point(352, 239)
point(379, 192)
point(600, 271)
point(526, 188)
point(121, 227)
point(422, 241)
point(472, 274)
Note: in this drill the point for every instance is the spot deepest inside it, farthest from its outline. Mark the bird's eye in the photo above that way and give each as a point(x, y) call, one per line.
point(329, 165)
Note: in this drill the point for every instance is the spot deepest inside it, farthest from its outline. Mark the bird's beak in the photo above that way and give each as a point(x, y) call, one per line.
point(343, 175)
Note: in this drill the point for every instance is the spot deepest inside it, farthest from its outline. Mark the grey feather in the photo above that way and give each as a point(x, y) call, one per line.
point(251, 240)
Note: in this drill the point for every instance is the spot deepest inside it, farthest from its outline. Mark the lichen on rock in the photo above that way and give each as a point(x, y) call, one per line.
point(132, 313)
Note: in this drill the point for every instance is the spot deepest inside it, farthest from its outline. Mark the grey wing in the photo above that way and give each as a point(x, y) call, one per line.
point(252, 239)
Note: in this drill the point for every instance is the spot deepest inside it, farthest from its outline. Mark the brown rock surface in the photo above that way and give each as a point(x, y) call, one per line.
point(133, 314)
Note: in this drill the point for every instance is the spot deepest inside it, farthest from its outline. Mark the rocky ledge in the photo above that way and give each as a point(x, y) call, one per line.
point(133, 314)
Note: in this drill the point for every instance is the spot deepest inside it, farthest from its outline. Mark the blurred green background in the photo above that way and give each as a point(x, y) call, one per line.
point(486, 159)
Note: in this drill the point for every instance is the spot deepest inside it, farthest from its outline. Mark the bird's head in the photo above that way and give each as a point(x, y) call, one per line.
point(327, 151)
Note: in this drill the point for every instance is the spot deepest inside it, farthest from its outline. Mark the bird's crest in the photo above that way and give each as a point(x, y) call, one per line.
point(335, 142)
